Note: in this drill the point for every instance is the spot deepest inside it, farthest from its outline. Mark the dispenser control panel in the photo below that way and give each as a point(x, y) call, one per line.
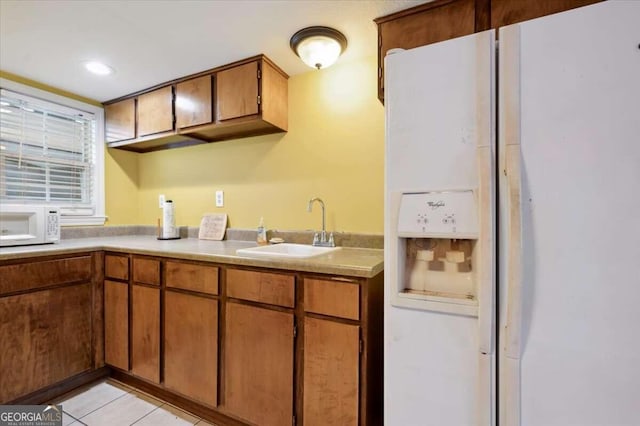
point(449, 214)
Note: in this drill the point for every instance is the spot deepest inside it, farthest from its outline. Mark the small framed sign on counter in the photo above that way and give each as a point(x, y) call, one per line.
point(213, 226)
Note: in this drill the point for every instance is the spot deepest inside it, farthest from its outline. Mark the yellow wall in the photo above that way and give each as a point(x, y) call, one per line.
point(121, 187)
point(333, 150)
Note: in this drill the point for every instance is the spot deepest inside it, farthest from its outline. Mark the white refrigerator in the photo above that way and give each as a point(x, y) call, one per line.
point(512, 225)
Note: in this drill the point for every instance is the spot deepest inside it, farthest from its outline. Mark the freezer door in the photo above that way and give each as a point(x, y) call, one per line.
point(570, 178)
point(440, 136)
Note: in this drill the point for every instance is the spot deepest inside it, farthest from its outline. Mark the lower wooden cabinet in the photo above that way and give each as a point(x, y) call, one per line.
point(145, 332)
point(191, 346)
point(331, 373)
point(116, 320)
point(222, 340)
point(258, 376)
point(45, 337)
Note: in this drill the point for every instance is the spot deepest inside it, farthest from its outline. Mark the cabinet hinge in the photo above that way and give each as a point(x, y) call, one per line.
point(293, 421)
point(295, 330)
point(361, 346)
point(259, 99)
point(379, 40)
point(259, 73)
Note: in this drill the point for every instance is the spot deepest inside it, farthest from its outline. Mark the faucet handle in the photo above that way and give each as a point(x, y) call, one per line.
point(331, 242)
point(316, 239)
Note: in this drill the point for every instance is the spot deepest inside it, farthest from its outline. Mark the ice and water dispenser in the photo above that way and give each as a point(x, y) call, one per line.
point(435, 245)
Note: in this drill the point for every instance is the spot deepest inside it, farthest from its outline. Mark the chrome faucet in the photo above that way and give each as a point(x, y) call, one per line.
point(320, 239)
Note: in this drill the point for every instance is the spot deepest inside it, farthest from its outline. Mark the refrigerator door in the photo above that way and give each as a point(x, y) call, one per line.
point(570, 236)
point(440, 136)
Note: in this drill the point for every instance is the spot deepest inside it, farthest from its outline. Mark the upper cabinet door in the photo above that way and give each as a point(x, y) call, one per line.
point(194, 102)
point(237, 92)
point(155, 111)
point(120, 120)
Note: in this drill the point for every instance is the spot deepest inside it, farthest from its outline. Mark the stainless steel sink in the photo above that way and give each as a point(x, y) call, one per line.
point(286, 250)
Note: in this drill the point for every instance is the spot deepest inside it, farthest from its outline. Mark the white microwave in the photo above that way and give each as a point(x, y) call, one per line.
point(25, 224)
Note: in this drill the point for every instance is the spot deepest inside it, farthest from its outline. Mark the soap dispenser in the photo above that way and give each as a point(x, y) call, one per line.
point(262, 233)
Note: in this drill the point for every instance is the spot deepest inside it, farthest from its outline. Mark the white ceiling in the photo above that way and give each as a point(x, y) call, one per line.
point(150, 42)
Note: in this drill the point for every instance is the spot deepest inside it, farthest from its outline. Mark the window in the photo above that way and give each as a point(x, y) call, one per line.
point(50, 154)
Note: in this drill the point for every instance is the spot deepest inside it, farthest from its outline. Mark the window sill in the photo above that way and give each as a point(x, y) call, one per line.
point(82, 220)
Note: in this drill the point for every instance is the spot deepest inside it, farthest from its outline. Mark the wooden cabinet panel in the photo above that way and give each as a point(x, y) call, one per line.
point(191, 346)
point(155, 111)
point(507, 12)
point(237, 92)
point(274, 98)
point(34, 275)
point(120, 120)
point(146, 271)
point(116, 324)
point(194, 102)
point(335, 298)
point(258, 359)
point(331, 373)
point(265, 287)
point(116, 267)
point(45, 338)
point(188, 276)
point(145, 332)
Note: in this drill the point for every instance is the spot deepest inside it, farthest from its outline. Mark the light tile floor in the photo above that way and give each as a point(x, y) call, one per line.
point(111, 403)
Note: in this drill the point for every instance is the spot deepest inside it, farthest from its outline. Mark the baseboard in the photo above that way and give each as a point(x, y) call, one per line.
point(202, 411)
point(52, 392)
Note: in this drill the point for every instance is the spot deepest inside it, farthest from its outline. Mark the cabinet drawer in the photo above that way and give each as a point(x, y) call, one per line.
point(335, 298)
point(192, 277)
point(116, 267)
point(34, 275)
point(146, 271)
point(275, 289)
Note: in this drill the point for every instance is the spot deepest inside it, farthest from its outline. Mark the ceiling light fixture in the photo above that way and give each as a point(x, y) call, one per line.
point(98, 68)
point(318, 47)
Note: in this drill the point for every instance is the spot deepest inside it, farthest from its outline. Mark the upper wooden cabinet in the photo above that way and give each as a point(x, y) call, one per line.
point(194, 101)
point(155, 111)
point(237, 90)
point(441, 20)
point(120, 123)
point(246, 98)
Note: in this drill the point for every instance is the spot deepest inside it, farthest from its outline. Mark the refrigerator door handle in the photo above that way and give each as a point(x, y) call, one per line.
point(486, 284)
point(514, 273)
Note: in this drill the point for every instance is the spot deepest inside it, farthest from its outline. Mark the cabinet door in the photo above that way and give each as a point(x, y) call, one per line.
point(191, 346)
point(258, 374)
point(194, 102)
point(120, 120)
point(155, 111)
point(45, 337)
point(237, 92)
point(145, 331)
point(331, 373)
point(116, 324)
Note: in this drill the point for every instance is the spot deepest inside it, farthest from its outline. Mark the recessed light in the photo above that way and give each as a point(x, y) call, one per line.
point(98, 68)
point(6, 111)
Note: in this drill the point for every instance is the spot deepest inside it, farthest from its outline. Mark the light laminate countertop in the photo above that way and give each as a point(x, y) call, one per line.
point(356, 262)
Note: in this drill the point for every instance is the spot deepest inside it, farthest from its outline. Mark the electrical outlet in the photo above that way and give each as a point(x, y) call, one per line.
point(161, 200)
point(219, 199)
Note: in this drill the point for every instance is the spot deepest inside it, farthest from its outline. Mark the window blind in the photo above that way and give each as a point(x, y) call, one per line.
point(46, 154)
